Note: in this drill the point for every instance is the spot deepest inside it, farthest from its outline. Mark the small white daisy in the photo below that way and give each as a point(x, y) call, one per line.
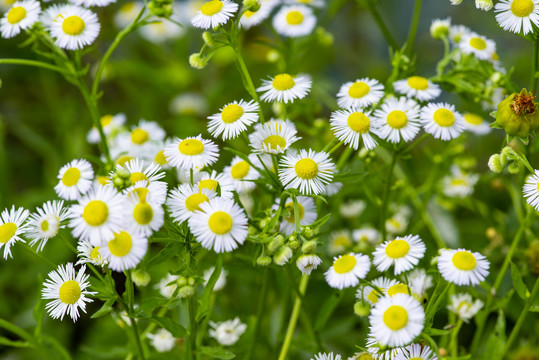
point(463, 267)
point(347, 270)
point(439, 28)
point(366, 235)
point(144, 217)
point(339, 242)
point(228, 332)
point(306, 263)
point(189, 103)
point(75, 179)
point(398, 119)
point(233, 119)
point(360, 93)
point(74, 27)
point(456, 32)
point(285, 88)
point(221, 280)
point(219, 183)
point(68, 291)
point(162, 340)
point(476, 124)
point(12, 227)
point(380, 351)
point(307, 214)
point(417, 352)
point(294, 21)
point(420, 282)
point(214, 13)
point(418, 87)
point(273, 137)
point(403, 252)
point(90, 3)
point(253, 18)
point(531, 190)
point(87, 253)
point(124, 250)
point(156, 153)
point(139, 171)
point(186, 199)
point(309, 171)
point(353, 124)
point(156, 190)
point(352, 208)
point(397, 320)
point(442, 121)
point(459, 184)
point(464, 306)
point(517, 15)
point(168, 285)
point(372, 294)
point(477, 45)
point(45, 223)
point(397, 224)
point(220, 225)
point(192, 152)
point(242, 173)
point(161, 30)
point(21, 16)
point(326, 356)
point(111, 124)
point(139, 140)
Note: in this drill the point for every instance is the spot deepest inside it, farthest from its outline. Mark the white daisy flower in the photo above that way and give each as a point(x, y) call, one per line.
point(463, 305)
point(517, 15)
point(456, 32)
point(417, 352)
point(397, 224)
point(439, 28)
point(127, 12)
point(156, 153)
point(339, 242)
point(139, 171)
point(87, 253)
point(531, 190)
point(309, 172)
point(285, 88)
point(463, 267)
point(273, 137)
point(403, 252)
point(68, 291)
point(139, 139)
point(420, 282)
point(90, 3)
point(21, 16)
point(221, 225)
point(326, 356)
point(360, 93)
point(161, 30)
point(398, 119)
point(372, 294)
point(192, 152)
point(294, 21)
point(45, 223)
point(228, 332)
point(477, 45)
point(214, 13)
point(233, 119)
point(162, 340)
point(347, 270)
point(219, 183)
point(417, 87)
point(307, 214)
point(156, 190)
point(143, 216)
point(124, 250)
point(253, 18)
point(459, 184)
point(75, 27)
point(221, 280)
point(75, 179)
point(366, 235)
point(243, 173)
point(352, 208)
point(189, 103)
point(306, 263)
point(442, 121)
point(111, 124)
point(186, 199)
point(99, 214)
point(168, 285)
point(380, 351)
point(12, 227)
point(476, 124)
point(397, 320)
point(352, 124)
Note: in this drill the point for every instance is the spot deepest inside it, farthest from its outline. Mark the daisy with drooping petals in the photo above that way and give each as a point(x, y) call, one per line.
point(306, 263)
point(397, 320)
point(351, 125)
point(90, 3)
point(124, 250)
point(307, 214)
point(143, 216)
point(219, 183)
point(87, 253)
point(442, 121)
point(531, 190)
point(273, 137)
point(227, 332)
point(403, 252)
point(417, 352)
point(242, 173)
point(110, 124)
point(11, 227)
point(476, 124)
point(477, 45)
point(464, 306)
point(99, 214)
point(192, 152)
point(45, 223)
point(68, 291)
point(285, 88)
point(417, 87)
point(517, 15)
point(347, 270)
point(294, 21)
point(463, 267)
point(309, 171)
point(186, 199)
point(420, 282)
point(21, 16)
point(220, 225)
point(398, 119)
point(233, 119)
point(162, 340)
point(214, 13)
point(360, 93)
point(372, 294)
point(75, 179)
point(74, 27)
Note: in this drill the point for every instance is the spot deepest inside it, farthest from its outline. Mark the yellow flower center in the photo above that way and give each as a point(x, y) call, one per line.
point(73, 25)
point(137, 176)
point(141, 192)
point(220, 222)
point(192, 203)
point(444, 117)
point(105, 120)
point(464, 260)
point(7, 231)
point(139, 136)
point(495, 56)
point(294, 18)
point(143, 213)
point(466, 305)
point(240, 170)
point(342, 241)
point(418, 83)
point(373, 296)
point(16, 14)
point(95, 213)
point(127, 7)
point(212, 7)
point(44, 225)
point(397, 119)
point(365, 356)
point(473, 119)
point(208, 184)
point(344, 264)
point(522, 8)
point(71, 176)
point(397, 289)
point(283, 82)
point(275, 141)
point(124, 159)
point(306, 168)
point(121, 244)
point(231, 113)
point(102, 180)
point(359, 122)
point(458, 182)
point(290, 207)
point(160, 158)
point(94, 254)
point(395, 317)
point(397, 248)
point(191, 147)
point(358, 90)
point(478, 43)
point(249, 13)
point(69, 292)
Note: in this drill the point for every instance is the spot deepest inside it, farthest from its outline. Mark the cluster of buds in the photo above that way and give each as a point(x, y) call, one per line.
point(161, 8)
point(121, 178)
point(186, 286)
point(509, 158)
point(518, 115)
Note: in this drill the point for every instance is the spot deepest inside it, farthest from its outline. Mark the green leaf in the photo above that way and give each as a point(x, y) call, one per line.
point(327, 309)
point(216, 353)
point(435, 300)
point(436, 332)
point(534, 308)
point(204, 302)
point(320, 222)
point(496, 340)
point(172, 249)
point(12, 343)
point(296, 213)
point(171, 326)
point(39, 314)
point(518, 284)
point(105, 309)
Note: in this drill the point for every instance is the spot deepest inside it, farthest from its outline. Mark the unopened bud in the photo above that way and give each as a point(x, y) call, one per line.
point(514, 167)
point(141, 278)
point(186, 292)
point(309, 247)
point(208, 39)
point(197, 61)
point(495, 164)
point(263, 261)
point(283, 255)
point(362, 308)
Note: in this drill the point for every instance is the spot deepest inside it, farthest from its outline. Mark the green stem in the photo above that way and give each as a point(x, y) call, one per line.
point(338, 145)
point(35, 63)
point(381, 24)
point(247, 81)
point(259, 313)
point(189, 342)
point(294, 317)
point(16, 330)
point(386, 195)
point(330, 144)
point(454, 343)
point(533, 84)
point(131, 303)
point(413, 28)
point(30, 250)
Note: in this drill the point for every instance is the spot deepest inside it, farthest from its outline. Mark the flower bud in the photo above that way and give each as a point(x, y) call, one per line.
point(439, 28)
point(362, 308)
point(208, 39)
point(514, 167)
point(263, 261)
point(518, 114)
point(141, 278)
point(191, 281)
point(294, 244)
point(309, 247)
point(308, 232)
point(181, 281)
point(485, 5)
point(494, 164)
point(186, 291)
point(197, 61)
point(123, 173)
point(252, 5)
point(275, 243)
point(283, 255)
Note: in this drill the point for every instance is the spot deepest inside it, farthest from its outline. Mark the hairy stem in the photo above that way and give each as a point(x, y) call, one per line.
point(385, 198)
point(130, 304)
point(413, 28)
point(381, 24)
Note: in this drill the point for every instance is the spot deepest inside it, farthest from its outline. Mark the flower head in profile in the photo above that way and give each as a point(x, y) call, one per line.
point(12, 226)
point(21, 16)
point(228, 332)
point(294, 21)
point(517, 15)
point(285, 88)
point(214, 13)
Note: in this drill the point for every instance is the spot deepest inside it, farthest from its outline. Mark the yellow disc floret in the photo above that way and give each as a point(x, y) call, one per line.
point(16, 14)
point(191, 147)
point(139, 136)
point(160, 158)
point(208, 184)
point(306, 169)
point(283, 82)
point(522, 8)
point(274, 142)
point(69, 292)
point(7, 231)
point(473, 119)
point(397, 119)
point(294, 17)
point(344, 264)
point(94, 254)
point(398, 289)
point(290, 207)
point(395, 317)
point(220, 222)
point(464, 260)
point(359, 122)
point(73, 25)
point(192, 203)
point(121, 244)
point(231, 113)
point(71, 176)
point(444, 117)
point(143, 213)
point(418, 83)
point(358, 90)
point(212, 7)
point(137, 176)
point(478, 43)
point(95, 213)
point(397, 248)
point(240, 170)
